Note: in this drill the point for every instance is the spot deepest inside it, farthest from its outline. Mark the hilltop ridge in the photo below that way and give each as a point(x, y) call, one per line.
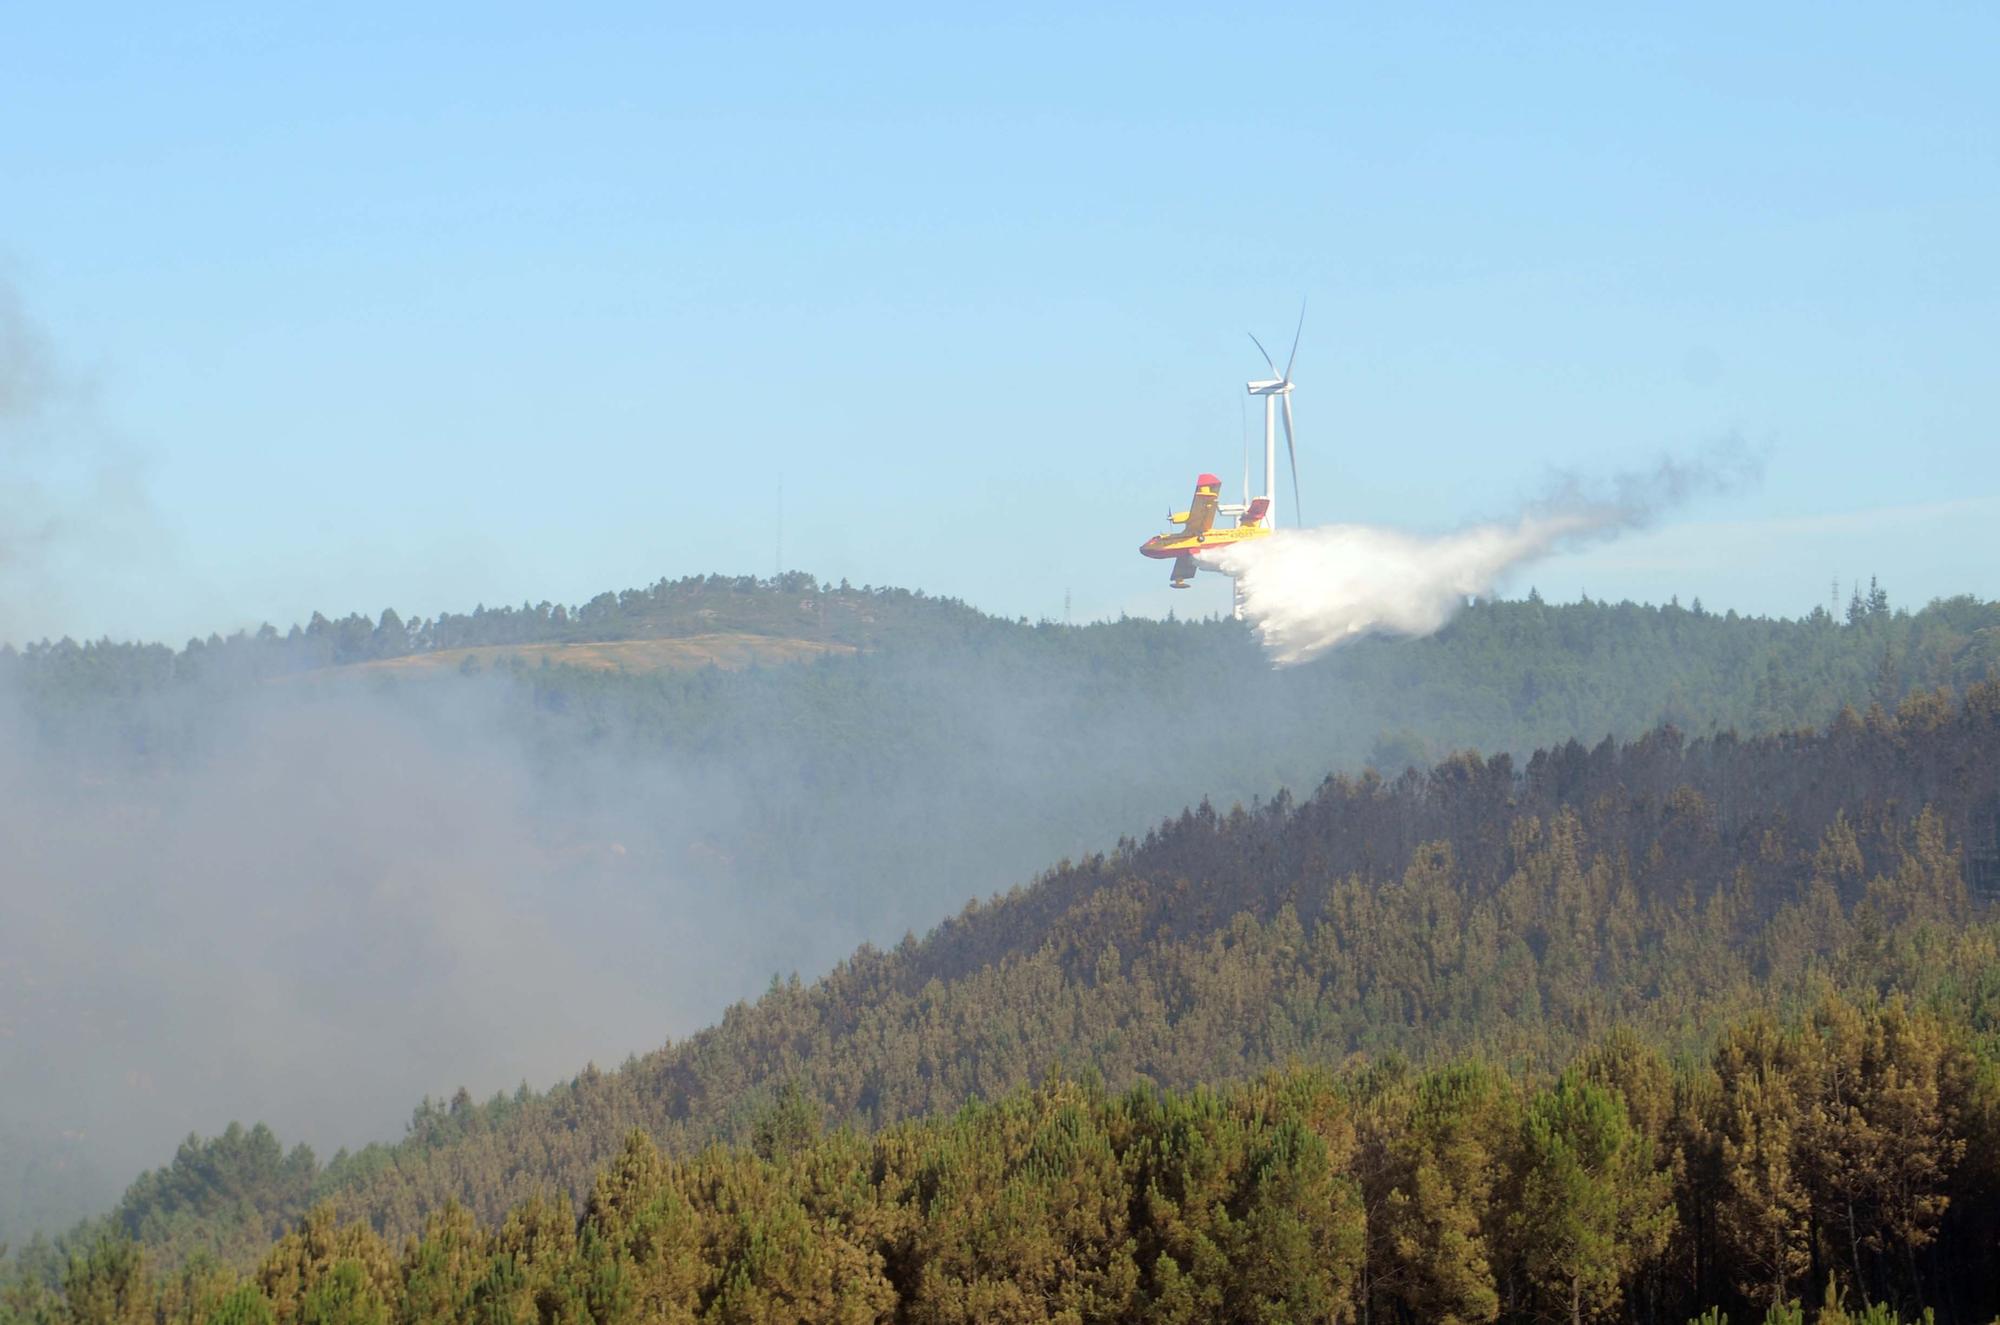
point(789, 607)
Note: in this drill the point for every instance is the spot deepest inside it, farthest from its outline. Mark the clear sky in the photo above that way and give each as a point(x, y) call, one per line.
point(346, 307)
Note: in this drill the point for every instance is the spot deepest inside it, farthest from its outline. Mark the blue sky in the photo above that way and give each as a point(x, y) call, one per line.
point(353, 307)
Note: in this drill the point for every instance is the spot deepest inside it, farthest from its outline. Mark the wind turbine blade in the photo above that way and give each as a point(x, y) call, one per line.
point(1292, 451)
point(1295, 340)
point(1261, 350)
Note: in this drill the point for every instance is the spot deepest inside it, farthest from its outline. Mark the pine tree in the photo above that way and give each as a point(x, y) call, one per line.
point(1592, 1205)
point(107, 1284)
point(1763, 1208)
point(343, 1296)
point(1436, 1222)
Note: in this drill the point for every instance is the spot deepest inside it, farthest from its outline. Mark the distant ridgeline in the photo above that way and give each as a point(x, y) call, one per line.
point(1503, 676)
point(788, 606)
point(1785, 918)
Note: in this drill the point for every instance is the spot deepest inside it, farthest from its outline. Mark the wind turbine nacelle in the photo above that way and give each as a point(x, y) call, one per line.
point(1268, 388)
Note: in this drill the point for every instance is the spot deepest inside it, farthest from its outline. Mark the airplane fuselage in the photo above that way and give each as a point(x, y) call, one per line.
point(1168, 546)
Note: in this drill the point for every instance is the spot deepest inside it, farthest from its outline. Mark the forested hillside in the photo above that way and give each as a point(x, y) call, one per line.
point(785, 815)
point(1650, 892)
point(1845, 1156)
point(939, 685)
point(957, 753)
point(1503, 676)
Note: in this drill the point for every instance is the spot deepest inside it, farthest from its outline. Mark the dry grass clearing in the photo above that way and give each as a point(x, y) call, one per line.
point(729, 651)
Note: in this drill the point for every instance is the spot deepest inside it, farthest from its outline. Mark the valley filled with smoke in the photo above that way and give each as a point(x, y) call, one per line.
point(314, 899)
point(326, 905)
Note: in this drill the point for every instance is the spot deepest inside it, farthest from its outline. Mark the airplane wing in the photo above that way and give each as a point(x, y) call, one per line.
point(1199, 517)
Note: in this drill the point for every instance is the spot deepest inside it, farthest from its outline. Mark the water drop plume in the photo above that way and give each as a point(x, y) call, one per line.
point(1308, 591)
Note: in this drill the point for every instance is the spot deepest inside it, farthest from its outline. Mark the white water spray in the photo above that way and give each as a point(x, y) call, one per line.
point(1311, 590)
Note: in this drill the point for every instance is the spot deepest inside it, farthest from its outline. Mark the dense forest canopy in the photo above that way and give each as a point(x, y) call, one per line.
point(1845, 1157)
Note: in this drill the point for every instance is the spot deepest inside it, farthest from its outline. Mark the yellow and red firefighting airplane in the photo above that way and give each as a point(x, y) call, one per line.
point(1197, 533)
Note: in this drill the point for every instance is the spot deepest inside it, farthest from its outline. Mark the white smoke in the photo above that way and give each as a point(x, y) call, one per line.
point(1311, 590)
point(74, 512)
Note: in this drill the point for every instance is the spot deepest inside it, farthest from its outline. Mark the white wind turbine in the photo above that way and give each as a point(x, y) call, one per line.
point(1275, 389)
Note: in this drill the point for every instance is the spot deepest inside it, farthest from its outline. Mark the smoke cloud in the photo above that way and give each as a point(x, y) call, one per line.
point(24, 361)
point(334, 902)
point(72, 497)
point(1308, 591)
point(25, 389)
